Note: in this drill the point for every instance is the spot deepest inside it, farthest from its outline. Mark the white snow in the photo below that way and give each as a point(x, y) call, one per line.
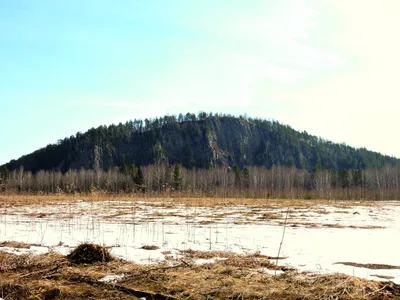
point(271, 272)
point(312, 244)
point(112, 278)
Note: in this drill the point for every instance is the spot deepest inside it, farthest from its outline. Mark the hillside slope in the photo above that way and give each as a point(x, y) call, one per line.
point(198, 141)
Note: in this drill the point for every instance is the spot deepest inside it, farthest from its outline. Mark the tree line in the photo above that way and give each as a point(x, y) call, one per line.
point(199, 141)
point(162, 178)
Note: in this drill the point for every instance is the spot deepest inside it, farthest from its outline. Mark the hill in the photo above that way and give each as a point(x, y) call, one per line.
point(200, 141)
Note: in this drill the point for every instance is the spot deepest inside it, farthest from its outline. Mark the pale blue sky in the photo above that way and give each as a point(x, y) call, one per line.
point(329, 66)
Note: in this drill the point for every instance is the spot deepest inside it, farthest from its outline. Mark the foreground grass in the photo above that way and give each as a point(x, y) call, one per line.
point(53, 276)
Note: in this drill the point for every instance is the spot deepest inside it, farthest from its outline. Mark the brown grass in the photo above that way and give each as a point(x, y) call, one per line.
point(89, 254)
point(206, 222)
point(8, 200)
point(52, 276)
point(382, 276)
point(369, 266)
point(270, 216)
point(327, 225)
point(13, 244)
point(150, 247)
point(249, 259)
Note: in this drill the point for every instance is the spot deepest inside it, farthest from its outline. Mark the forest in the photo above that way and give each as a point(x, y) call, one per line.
point(204, 155)
point(201, 141)
point(162, 179)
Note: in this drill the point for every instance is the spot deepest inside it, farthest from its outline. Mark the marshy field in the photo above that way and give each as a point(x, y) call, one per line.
point(197, 248)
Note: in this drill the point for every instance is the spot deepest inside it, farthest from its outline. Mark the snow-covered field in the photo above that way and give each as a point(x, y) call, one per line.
point(316, 237)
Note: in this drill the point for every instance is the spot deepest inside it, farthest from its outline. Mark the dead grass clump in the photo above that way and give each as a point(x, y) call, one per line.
point(369, 266)
point(37, 215)
point(14, 262)
point(27, 262)
point(116, 215)
point(204, 222)
point(89, 254)
point(13, 244)
point(300, 224)
point(13, 291)
point(322, 212)
point(341, 212)
point(258, 254)
point(270, 216)
point(51, 294)
point(150, 247)
point(239, 222)
point(328, 225)
point(382, 276)
point(250, 261)
point(367, 227)
point(194, 254)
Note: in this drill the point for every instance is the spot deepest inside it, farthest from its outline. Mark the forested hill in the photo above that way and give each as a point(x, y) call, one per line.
point(200, 141)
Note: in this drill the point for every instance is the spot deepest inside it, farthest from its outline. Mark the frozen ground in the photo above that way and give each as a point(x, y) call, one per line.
point(316, 238)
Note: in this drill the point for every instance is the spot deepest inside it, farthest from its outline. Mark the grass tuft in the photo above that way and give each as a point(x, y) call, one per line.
point(89, 254)
point(150, 247)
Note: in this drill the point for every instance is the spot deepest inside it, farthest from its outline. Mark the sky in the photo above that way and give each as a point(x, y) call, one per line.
point(329, 67)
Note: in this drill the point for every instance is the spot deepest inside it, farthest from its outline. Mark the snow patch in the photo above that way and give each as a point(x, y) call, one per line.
point(126, 226)
point(112, 278)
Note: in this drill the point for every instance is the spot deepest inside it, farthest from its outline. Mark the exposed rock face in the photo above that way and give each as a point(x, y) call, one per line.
point(210, 142)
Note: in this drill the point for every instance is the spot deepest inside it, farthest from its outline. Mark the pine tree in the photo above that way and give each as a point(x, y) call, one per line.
point(4, 176)
point(246, 178)
point(344, 178)
point(238, 182)
point(139, 180)
point(177, 177)
point(124, 166)
point(357, 177)
point(132, 171)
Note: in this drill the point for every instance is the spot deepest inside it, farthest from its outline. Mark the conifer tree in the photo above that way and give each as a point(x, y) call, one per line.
point(139, 180)
point(177, 177)
point(246, 178)
point(236, 171)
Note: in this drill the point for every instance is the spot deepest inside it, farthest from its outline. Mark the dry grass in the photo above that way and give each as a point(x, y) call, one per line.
point(89, 254)
point(254, 260)
point(150, 247)
point(206, 222)
point(13, 244)
point(8, 200)
point(328, 225)
point(270, 216)
point(369, 266)
point(52, 276)
point(382, 276)
point(37, 215)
